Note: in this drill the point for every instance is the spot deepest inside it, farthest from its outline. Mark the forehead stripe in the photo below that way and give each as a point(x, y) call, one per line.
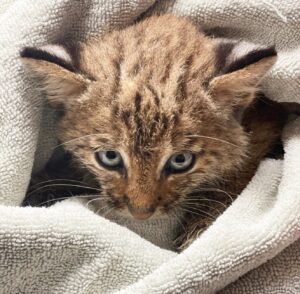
point(137, 102)
point(155, 95)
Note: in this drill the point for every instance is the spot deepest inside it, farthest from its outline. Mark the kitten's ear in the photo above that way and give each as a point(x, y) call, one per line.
point(55, 66)
point(241, 67)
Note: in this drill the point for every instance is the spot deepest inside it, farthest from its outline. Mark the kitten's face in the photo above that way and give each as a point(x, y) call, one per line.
point(153, 112)
point(148, 154)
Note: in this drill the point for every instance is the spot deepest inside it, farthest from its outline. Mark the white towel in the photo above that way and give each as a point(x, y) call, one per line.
point(251, 248)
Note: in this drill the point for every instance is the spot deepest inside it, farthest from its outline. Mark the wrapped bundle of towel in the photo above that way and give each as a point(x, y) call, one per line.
point(253, 247)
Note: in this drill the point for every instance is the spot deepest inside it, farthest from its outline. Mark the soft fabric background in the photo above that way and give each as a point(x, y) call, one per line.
point(251, 248)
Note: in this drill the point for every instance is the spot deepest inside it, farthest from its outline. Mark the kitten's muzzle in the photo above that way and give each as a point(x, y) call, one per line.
point(141, 213)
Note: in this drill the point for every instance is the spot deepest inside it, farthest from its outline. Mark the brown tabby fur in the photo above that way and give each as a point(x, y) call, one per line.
point(154, 89)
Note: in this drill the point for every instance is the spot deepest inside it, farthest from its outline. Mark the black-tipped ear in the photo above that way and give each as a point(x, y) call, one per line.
point(58, 71)
point(233, 55)
point(56, 54)
point(240, 67)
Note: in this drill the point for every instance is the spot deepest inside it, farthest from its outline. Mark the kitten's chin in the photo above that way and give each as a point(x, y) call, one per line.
point(161, 228)
point(126, 214)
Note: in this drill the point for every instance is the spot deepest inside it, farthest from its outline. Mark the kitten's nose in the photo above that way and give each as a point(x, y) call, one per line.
point(141, 213)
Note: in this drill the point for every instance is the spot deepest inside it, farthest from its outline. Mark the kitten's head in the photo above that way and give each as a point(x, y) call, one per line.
point(152, 111)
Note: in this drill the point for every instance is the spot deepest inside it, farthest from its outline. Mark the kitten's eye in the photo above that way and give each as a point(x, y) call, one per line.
point(109, 159)
point(181, 162)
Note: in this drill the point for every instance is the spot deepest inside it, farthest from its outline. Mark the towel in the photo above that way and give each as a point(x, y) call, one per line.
point(253, 247)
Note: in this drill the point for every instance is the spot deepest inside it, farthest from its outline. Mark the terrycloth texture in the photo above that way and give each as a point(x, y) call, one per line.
point(69, 249)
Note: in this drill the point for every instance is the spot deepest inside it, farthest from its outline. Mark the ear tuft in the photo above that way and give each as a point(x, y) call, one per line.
point(52, 53)
point(232, 55)
point(245, 54)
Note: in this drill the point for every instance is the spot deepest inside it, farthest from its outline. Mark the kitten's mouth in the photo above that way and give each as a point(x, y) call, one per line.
point(133, 211)
point(141, 213)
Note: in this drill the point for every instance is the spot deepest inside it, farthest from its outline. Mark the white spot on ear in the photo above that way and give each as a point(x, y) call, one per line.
point(241, 49)
point(59, 51)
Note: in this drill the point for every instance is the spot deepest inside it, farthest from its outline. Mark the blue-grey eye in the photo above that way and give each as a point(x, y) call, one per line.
point(110, 159)
point(181, 162)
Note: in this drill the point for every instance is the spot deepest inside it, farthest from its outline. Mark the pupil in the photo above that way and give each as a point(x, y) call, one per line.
point(180, 158)
point(111, 154)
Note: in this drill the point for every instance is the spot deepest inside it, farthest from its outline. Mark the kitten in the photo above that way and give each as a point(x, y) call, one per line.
point(163, 117)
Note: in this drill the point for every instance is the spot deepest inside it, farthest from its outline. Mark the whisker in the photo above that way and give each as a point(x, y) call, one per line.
point(91, 201)
point(195, 206)
point(214, 190)
point(63, 198)
point(66, 185)
point(102, 208)
point(193, 212)
point(54, 180)
point(99, 197)
point(104, 205)
point(179, 221)
point(75, 139)
point(213, 138)
point(70, 141)
point(195, 200)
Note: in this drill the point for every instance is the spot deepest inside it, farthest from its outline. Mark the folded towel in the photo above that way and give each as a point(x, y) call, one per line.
point(253, 247)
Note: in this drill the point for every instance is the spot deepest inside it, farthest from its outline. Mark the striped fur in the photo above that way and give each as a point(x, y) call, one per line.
point(156, 88)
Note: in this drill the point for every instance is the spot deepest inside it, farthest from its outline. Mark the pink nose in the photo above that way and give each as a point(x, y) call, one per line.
point(141, 213)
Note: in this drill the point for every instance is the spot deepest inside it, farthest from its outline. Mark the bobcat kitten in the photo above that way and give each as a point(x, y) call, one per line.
point(163, 118)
